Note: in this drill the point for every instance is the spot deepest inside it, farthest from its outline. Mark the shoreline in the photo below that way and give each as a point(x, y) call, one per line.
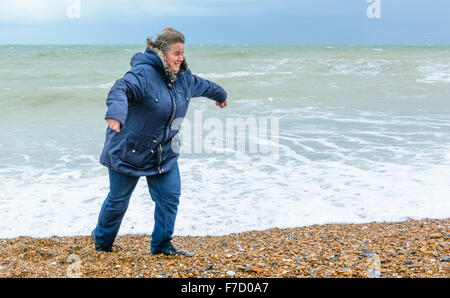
point(410, 248)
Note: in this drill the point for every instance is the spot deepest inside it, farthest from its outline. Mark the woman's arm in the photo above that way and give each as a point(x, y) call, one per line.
point(128, 88)
point(203, 87)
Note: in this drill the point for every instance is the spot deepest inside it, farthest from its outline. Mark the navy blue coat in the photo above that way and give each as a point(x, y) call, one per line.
point(146, 101)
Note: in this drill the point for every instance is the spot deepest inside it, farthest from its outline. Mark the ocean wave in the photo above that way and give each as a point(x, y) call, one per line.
point(358, 67)
point(234, 74)
point(105, 85)
point(434, 73)
point(99, 86)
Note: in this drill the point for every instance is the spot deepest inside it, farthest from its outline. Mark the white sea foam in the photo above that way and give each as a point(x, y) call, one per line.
point(434, 73)
point(106, 85)
point(244, 193)
point(100, 86)
point(235, 74)
point(359, 67)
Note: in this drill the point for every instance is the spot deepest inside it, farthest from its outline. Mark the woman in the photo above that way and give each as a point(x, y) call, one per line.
point(142, 106)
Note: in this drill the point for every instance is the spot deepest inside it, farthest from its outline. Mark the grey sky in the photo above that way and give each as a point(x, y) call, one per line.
point(225, 21)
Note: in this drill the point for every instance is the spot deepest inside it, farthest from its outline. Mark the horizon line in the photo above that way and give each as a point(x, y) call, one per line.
point(233, 44)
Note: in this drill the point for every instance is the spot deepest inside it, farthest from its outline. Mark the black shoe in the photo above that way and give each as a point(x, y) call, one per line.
point(98, 247)
point(173, 252)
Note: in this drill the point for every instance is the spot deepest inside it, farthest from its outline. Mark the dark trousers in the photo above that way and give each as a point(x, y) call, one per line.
point(165, 192)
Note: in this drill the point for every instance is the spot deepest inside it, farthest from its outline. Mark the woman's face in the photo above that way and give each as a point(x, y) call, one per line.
point(175, 56)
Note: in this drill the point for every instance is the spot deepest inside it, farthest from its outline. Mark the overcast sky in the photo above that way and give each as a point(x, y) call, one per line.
point(226, 21)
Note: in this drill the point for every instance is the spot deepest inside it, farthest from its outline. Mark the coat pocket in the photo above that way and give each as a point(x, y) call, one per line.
point(139, 151)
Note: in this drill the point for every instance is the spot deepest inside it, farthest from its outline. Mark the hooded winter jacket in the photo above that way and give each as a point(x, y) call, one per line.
point(146, 101)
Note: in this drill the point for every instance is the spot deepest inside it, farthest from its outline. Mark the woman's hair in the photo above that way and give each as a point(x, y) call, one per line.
point(165, 39)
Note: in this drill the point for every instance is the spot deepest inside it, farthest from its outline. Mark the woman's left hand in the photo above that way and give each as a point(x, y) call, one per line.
point(222, 105)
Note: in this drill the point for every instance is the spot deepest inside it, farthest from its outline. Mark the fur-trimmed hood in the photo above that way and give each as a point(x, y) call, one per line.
point(156, 58)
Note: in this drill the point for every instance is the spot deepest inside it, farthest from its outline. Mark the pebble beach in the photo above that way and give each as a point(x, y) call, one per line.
point(411, 248)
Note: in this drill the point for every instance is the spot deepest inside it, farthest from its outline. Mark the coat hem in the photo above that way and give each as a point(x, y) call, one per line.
point(137, 173)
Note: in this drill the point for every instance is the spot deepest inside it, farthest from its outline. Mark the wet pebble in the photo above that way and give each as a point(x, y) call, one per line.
point(231, 273)
point(373, 273)
point(435, 235)
point(209, 266)
point(367, 253)
point(445, 259)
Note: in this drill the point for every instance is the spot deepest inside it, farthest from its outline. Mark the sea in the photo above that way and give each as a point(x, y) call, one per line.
point(355, 134)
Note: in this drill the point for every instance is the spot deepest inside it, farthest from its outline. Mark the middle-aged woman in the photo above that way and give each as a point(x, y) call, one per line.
point(142, 137)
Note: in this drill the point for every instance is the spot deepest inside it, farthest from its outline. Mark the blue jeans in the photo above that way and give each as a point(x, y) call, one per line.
point(165, 192)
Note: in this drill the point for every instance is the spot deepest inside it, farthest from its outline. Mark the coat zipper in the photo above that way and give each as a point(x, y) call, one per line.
point(167, 131)
point(171, 118)
point(160, 158)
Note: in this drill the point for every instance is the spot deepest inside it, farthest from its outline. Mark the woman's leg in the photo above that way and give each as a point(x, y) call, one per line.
point(165, 192)
point(113, 208)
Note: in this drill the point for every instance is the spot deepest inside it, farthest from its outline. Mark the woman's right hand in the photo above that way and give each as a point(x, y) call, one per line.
point(113, 124)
